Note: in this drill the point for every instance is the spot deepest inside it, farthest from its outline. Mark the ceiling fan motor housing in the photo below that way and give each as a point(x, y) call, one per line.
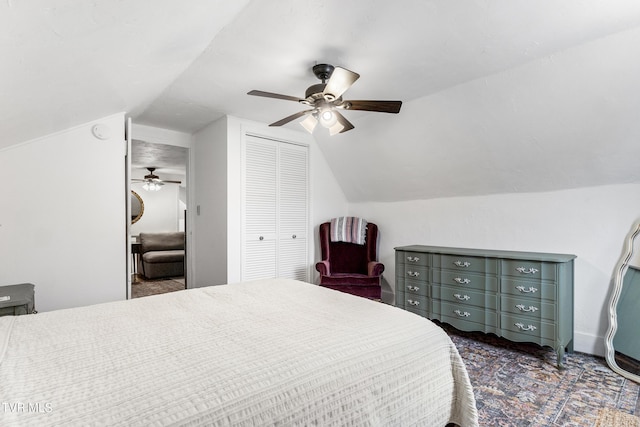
point(314, 92)
point(323, 71)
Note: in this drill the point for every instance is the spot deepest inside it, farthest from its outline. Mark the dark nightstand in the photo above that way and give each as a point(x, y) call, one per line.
point(17, 299)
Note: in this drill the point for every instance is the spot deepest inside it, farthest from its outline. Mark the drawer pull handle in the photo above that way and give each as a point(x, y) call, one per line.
point(462, 297)
point(525, 328)
point(525, 270)
point(462, 264)
point(530, 309)
point(294, 236)
point(261, 238)
point(413, 273)
point(531, 289)
point(462, 314)
point(462, 281)
point(414, 303)
point(413, 259)
point(413, 288)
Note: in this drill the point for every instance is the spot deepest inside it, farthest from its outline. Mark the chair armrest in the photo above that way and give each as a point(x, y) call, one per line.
point(323, 268)
point(375, 268)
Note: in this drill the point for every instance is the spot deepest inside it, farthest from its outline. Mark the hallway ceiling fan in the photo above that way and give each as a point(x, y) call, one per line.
point(152, 182)
point(326, 99)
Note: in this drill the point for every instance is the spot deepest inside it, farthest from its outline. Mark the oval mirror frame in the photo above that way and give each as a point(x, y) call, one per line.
point(137, 207)
point(618, 278)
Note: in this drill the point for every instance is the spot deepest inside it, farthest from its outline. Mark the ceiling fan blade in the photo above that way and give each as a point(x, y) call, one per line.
point(341, 126)
point(274, 95)
point(380, 106)
point(290, 118)
point(341, 79)
point(172, 182)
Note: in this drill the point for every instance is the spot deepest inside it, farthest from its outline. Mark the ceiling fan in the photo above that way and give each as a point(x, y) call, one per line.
point(326, 99)
point(152, 182)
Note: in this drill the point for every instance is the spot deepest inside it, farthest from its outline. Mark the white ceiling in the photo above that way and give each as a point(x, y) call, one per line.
point(499, 95)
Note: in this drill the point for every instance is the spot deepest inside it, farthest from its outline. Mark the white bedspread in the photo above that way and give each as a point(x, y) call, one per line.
point(269, 352)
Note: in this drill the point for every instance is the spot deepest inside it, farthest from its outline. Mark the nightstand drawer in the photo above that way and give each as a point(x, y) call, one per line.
point(529, 269)
point(466, 263)
point(465, 280)
point(465, 296)
point(15, 310)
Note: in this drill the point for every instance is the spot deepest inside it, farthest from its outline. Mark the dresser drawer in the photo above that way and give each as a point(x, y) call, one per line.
point(529, 288)
point(466, 263)
point(412, 258)
point(465, 280)
point(520, 328)
point(530, 307)
point(416, 304)
point(467, 313)
point(415, 273)
point(529, 269)
point(412, 287)
point(465, 297)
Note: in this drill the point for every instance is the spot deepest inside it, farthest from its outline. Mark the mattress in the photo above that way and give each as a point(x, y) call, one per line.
point(268, 352)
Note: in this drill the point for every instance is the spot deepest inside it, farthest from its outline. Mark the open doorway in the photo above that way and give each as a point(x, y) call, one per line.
point(159, 202)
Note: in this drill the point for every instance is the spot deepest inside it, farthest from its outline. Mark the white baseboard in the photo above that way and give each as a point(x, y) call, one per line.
point(588, 343)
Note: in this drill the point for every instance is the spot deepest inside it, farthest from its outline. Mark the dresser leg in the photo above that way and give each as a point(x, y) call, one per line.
point(560, 352)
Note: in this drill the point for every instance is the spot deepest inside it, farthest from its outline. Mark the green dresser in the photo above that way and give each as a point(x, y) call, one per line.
point(521, 296)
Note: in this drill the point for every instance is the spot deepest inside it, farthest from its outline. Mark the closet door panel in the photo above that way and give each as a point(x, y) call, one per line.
point(259, 259)
point(293, 216)
point(292, 259)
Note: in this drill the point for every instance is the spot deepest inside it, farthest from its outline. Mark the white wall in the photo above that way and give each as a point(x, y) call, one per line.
point(210, 195)
point(62, 217)
point(161, 209)
point(589, 222)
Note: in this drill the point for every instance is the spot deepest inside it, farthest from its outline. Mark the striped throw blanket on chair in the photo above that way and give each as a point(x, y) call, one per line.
point(348, 229)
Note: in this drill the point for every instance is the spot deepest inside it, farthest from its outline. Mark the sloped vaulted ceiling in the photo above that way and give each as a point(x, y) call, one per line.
point(499, 95)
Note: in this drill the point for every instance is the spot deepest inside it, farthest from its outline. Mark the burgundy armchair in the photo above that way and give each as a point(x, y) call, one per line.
point(349, 267)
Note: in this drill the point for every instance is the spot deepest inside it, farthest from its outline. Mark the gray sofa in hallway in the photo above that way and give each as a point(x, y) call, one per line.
point(162, 254)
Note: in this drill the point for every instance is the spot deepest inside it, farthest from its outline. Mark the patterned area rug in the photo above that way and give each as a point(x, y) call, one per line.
point(612, 417)
point(143, 288)
point(519, 385)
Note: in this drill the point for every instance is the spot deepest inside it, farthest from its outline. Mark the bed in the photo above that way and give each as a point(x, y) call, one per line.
point(267, 352)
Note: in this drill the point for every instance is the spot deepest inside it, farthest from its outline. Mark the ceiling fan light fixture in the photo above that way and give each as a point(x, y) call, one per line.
point(152, 185)
point(309, 123)
point(328, 118)
point(336, 128)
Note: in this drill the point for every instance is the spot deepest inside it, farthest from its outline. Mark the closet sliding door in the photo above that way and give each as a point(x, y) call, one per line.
point(275, 209)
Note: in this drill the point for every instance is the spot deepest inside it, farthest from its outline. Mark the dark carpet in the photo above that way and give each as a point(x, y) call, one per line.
point(518, 384)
